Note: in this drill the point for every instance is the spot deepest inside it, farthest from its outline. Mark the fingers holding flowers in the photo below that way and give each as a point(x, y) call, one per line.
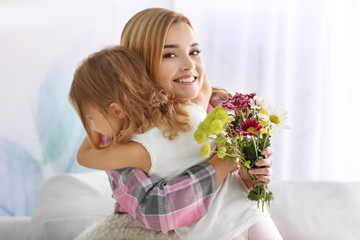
point(268, 152)
point(262, 174)
point(265, 171)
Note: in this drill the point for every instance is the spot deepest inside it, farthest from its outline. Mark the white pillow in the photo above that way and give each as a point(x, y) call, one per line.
point(68, 203)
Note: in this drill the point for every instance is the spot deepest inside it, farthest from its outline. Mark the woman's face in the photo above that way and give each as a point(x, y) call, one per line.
point(182, 69)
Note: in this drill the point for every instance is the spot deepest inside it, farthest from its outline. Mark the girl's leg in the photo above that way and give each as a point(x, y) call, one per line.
point(242, 236)
point(265, 229)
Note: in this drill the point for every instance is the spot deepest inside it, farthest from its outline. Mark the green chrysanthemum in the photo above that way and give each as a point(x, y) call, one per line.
point(205, 126)
point(216, 126)
point(205, 150)
point(221, 152)
point(200, 136)
point(218, 108)
point(221, 141)
point(222, 115)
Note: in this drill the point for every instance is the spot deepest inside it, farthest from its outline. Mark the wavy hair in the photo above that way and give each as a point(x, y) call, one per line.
point(145, 34)
point(118, 75)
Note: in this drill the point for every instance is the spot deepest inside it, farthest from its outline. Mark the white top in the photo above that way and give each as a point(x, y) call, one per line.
point(230, 212)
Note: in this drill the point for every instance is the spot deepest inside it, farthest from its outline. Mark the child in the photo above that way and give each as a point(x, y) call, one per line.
point(114, 96)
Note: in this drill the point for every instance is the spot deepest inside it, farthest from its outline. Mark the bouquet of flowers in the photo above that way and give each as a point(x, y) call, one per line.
point(241, 128)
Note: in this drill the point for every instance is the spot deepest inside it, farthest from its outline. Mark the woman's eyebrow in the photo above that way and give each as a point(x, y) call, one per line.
point(171, 46)
point(177, 46)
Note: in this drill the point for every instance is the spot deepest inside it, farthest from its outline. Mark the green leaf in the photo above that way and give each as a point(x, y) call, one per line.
point(253, 195)
point(269, 196)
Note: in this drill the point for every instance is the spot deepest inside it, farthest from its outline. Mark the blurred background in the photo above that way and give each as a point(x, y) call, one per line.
point(302, 55)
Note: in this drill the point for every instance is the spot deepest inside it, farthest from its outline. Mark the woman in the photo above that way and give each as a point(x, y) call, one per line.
point(156, 201)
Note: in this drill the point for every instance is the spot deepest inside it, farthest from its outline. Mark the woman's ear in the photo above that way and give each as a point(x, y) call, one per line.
point(117, 110)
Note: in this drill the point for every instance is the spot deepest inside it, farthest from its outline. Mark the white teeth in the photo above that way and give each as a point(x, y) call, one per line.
point(185, 80)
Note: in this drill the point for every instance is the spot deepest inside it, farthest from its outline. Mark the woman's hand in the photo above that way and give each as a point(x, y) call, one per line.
point(263, 175)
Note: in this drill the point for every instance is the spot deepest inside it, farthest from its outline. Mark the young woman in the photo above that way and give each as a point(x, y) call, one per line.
point(160, 21)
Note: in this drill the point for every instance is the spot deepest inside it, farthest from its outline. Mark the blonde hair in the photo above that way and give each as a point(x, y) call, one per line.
point(117, 75)
point(145, 34)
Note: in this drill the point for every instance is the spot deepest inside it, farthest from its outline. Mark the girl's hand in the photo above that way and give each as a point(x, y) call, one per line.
point(263, 175)
point(222, 168)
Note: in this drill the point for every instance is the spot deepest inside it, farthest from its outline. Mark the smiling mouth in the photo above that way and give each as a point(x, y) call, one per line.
point(185, 80)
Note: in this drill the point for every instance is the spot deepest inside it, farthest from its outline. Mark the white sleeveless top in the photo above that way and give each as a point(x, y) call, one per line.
point(230, 212)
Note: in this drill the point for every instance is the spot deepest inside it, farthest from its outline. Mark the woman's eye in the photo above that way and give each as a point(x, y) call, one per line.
point(169, 55)
point(195, 52)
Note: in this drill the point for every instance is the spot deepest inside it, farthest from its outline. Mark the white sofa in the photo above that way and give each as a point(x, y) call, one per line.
point(69, 203)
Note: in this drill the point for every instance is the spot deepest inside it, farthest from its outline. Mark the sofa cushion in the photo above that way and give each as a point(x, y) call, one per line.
point(68, 203)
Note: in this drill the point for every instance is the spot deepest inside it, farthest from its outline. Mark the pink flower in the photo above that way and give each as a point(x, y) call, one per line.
point(238, 101)
point(249, 127)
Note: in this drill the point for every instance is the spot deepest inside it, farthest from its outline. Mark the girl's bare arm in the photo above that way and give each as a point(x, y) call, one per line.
point(114, 156)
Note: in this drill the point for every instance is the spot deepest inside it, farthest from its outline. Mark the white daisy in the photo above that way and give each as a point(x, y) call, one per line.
point(275, 117)
point(258, 102)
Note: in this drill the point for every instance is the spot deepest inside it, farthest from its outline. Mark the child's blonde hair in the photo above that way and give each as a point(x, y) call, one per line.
point(117, 75)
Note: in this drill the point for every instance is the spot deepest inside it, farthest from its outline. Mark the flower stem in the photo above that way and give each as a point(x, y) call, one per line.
point(267, 204)
point(255, 148)
point(266, 138)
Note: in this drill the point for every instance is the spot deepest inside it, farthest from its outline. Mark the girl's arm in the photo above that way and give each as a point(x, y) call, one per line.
point(114, 156)
point(164, 205)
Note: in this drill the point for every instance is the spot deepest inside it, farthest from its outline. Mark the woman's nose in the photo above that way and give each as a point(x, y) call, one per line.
point(187, 63)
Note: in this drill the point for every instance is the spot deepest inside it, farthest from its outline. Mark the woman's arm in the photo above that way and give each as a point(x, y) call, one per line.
point(114, 156)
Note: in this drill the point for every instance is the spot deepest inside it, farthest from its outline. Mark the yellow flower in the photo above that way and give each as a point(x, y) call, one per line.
point(221, 152)
point(263, 130)
point(222, 115)
point(221, 141)
point(218, 108)
point(200, 136)
point(205, 126)
point(205, 150)
point(263, 111)
point(216, 126)
point(263, 124)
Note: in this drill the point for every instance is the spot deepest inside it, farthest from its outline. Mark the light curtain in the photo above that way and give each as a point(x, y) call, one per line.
point(303, 55)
